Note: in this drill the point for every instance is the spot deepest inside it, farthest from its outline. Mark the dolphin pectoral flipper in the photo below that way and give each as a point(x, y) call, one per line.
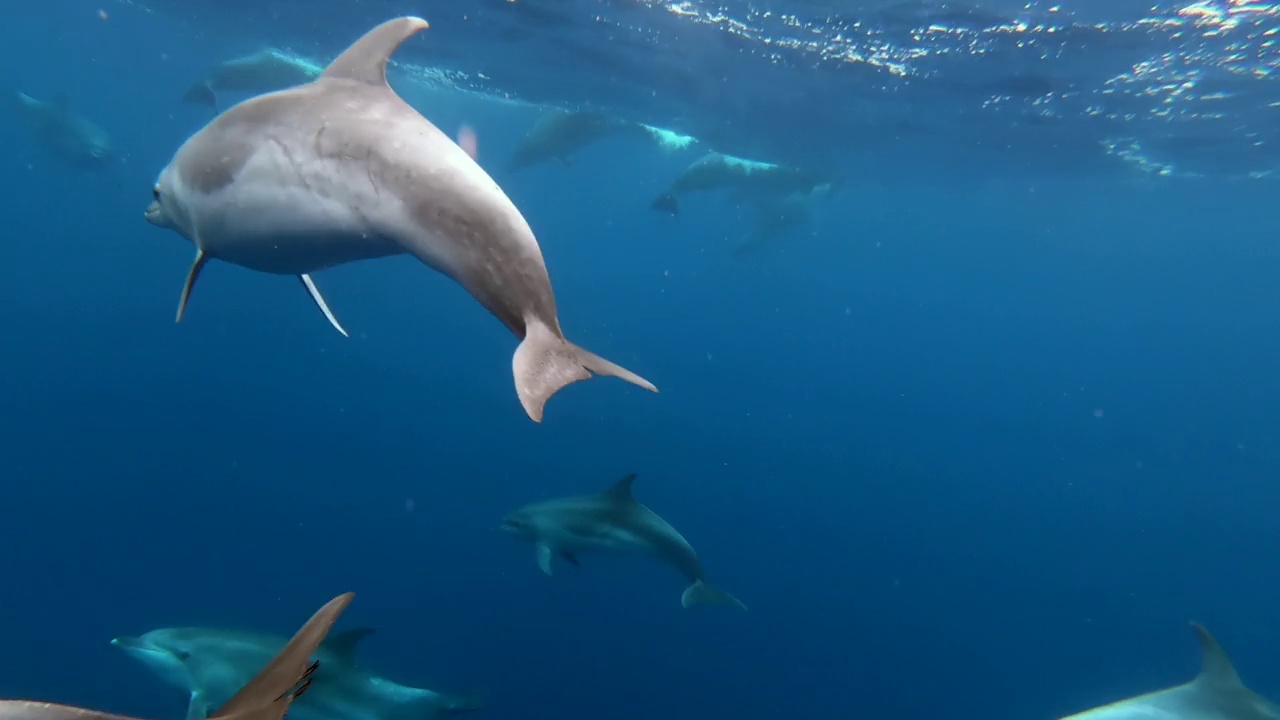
point(196, 266)
point(700, 593)
point(573, 559)
point(314, 292)
point(544, 557)
point(543, 363)
point(198, 707)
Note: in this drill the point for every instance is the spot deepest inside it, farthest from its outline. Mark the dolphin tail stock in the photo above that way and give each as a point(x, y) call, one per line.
point(666, 203)
point(700, 593)
point(545, 362)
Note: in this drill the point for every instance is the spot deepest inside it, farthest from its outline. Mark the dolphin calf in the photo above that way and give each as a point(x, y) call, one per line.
point(1216, 693)
point(65, 132)
point(263, 71)
point(210, 664)
point(266, 695)
point(342, 169)
point(612, 521)
point(746, 178)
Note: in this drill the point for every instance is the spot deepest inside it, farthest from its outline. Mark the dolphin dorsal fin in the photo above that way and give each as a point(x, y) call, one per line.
point(1215, 667)
point(345, 643)
point(620, 492)
point(366, 60)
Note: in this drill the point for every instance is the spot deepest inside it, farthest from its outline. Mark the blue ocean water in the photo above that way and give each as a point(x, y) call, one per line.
point(977, 440)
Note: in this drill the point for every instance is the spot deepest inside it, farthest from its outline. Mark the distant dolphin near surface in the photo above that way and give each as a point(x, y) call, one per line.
point(210, 663)
point(1216, 693)
point(262, 71)
point(775, 216)
point(65, 132)
point(341, 169)
point(561, 133)
point(746, 178)
point(615, 522)
point(266, 695)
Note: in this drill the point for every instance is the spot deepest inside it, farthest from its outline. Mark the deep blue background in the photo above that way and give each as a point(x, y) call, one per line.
point(966, 450)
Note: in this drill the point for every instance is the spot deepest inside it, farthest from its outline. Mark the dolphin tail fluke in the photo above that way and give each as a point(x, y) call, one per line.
point(201, 94)
point(469, 702)
point(700, 593)
point(667, 203)
point(545, 362)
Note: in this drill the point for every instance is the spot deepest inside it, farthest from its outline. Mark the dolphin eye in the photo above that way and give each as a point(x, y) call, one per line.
point(155, 192)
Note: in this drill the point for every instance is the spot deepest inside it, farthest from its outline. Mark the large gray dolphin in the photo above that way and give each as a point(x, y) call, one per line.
point(262, 71)
point(612, 521)
point(341, 169)
point(266, 695)
point(210, 664)
point(1216, 693)
point(65, 132)
point(746, 178)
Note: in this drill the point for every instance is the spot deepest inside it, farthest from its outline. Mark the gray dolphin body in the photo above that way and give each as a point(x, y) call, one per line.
point(615, 522)
point(775, 216)
point(746, 178)
point(266, 695)
point(342, 169)
point(1216, 693)
point(263, 71)
point(561, 133)
point(210, 664)
point(65, 132)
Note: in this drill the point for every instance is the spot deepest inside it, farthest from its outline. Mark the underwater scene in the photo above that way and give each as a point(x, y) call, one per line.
point(568, 359)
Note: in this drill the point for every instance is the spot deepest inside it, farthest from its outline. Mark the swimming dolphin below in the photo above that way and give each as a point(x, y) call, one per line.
point(266, 695)
point(65, 132)
point(210, 663)
point(612, 521)
point(342, 169)
point(1216, 693)
point(746, 178)
point(775, 216)
point(262, 71)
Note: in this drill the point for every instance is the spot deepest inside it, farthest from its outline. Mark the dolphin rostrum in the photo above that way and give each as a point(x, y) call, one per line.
point(612, 521)
point(1216, 693)
point(210, 663)
point(342, 169)
point(268, 695)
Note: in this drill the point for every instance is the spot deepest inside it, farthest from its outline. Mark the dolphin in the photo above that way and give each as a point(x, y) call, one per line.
point(262, 71)
point(774, 216)
point(612, 521)
point(210, 664)
point(342, 169)
point(561, 133)
point(1216, 693)
point(746, 178)
point(65, 132)
point(266, 695)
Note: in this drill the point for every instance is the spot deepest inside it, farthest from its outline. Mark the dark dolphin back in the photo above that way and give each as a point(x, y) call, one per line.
point(289, 667)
